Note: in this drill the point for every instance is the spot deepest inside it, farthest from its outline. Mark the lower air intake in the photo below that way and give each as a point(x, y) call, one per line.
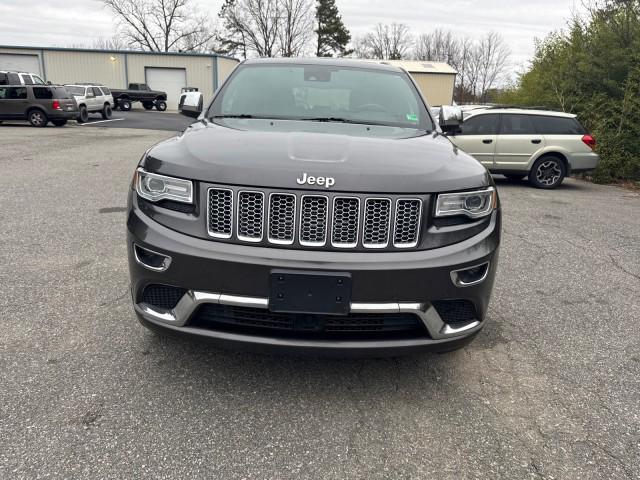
point(163, 296)
point(456, 312)
point(256, 321)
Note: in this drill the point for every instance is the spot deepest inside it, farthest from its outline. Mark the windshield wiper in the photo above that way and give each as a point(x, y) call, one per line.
point(342, 120)
point(355, 122)
point(240, 115)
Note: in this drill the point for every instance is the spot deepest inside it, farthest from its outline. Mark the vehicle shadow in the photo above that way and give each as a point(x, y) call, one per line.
point(18, 124)
point(573, 184)
point(204, 367)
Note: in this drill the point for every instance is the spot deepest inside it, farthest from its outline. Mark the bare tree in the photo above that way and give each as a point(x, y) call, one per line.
point(388, 42)
point(465, 66)
point(360, 49)
point(490, 61)
point(480, 64)
point(438, 46)
point(251, 26)
point(162, 25)
point(112, 43)
point(296, 26)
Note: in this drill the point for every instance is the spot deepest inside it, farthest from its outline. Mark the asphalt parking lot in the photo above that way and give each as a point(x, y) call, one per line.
point(550, 388)
point(136, 118)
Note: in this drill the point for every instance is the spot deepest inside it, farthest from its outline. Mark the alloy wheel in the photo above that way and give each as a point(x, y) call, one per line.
point(37, 119)
point(549, 172)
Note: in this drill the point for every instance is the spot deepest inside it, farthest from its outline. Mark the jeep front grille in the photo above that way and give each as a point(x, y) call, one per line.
point(407, 224)
point(346, 213)
point(376, 223)
point(314, 220)
point(250, 215)
point(282, 218)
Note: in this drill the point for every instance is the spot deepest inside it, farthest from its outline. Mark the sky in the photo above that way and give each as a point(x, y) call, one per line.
point(65, 23)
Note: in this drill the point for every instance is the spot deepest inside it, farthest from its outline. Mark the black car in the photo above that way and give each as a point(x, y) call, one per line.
point(39, 104)
point(315, 206)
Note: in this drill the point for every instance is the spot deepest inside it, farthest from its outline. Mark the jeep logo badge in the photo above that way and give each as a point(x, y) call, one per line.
point(326, 182)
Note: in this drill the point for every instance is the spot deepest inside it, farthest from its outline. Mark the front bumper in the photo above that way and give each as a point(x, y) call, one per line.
point(218, 273)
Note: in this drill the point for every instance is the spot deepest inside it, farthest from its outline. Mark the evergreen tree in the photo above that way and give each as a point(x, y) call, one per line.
point(333, 36)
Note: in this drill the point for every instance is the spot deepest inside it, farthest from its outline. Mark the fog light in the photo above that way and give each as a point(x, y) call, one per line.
point(150, 259)
point(470, 276)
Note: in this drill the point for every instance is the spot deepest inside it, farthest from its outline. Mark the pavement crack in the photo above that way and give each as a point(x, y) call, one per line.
point(628, 473)
point(115, 300)
point(621, 268)
point(535, 469)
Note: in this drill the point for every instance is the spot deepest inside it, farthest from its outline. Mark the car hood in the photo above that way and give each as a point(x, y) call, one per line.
point(276, 154)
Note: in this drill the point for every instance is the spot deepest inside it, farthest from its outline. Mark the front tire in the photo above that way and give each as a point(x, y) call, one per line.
point(161, 105)
point(59, 122)
point(106, 112)
point(83, 115)
point(37, 118)
point(548, 172)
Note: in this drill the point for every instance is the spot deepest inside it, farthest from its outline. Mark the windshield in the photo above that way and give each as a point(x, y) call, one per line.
point(76, 90)
point(322, 93)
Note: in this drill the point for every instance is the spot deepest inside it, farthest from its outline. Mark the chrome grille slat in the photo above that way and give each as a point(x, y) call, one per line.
point(377, 221)
point(220, 212)
point(250, 215)
point(407, 222)
point(346, 216)
point(282, 218)
point(314, 211)
point(314, 220)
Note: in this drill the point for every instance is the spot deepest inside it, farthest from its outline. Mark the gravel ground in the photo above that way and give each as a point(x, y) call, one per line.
point(550, 388)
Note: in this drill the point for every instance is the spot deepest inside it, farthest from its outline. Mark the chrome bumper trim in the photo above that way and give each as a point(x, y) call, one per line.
point(165, 263)
point(459, 283)
point(180, 314)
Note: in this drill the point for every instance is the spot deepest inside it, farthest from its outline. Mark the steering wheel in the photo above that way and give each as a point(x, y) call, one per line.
point(371, 107)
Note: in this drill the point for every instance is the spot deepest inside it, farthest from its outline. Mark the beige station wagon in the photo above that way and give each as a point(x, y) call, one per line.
point(544, 145)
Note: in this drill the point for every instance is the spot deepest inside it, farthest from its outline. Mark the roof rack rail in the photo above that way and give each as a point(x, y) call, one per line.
point(521, 107)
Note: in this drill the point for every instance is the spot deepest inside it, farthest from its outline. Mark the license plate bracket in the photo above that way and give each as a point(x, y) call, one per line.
point(310, 292)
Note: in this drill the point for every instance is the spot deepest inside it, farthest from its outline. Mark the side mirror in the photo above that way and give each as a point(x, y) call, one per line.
point(450, 119)
point(190, 104)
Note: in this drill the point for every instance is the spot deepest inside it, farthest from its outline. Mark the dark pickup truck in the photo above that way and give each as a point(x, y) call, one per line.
point(139, 92)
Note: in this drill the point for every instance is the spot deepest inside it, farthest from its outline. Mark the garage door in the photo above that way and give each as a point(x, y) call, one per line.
point(19, 62)
point(170, 80)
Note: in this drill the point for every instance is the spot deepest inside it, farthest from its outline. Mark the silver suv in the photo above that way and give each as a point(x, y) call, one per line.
point(19, 78)
point(91, 98)
point(546, 146)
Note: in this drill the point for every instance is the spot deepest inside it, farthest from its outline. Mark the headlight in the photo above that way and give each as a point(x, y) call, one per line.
point(154, 187)
point(472, 204)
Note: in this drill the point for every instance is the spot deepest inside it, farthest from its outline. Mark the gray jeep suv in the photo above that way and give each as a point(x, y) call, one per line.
point(315, 206)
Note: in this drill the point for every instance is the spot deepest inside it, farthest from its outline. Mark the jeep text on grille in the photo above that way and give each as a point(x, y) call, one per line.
point(311, 180)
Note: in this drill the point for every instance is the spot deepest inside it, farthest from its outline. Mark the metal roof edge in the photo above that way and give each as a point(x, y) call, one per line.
point(99, 50)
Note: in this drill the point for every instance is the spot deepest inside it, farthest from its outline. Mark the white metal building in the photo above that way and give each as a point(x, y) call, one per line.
point(168, 72)
point(435, 79)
